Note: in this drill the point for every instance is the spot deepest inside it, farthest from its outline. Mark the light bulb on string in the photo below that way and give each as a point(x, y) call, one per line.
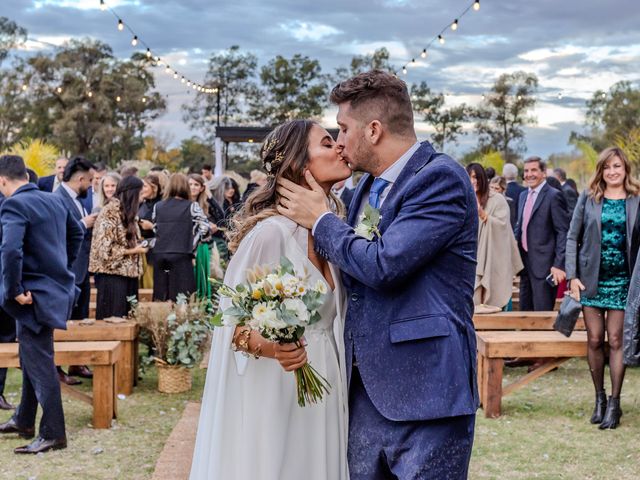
point(413, 61)
point(604, 95)
point(188, 83)
point(148, 53)
point(441, 39)
point(424, 53)
point(59, 89)
point(118, 98)
point(120, 25)
point(404, 70)
point(103, 6)
point(144, 99)
point(24, 88)
point(519, 97)
point(560, 96)
point(476, 5)
point(134, 40)
point(175, 74)
point(90, 94)
point(167, 70)
point(183, 80)
point(454, 25)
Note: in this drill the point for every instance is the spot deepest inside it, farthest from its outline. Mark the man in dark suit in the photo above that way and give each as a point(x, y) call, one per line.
point(344, 193)
point(52, 182)
point(541, 233)
point(570, 195)
point(76, 182)
point(91, 198)
point(40, 241)
point(514, 189)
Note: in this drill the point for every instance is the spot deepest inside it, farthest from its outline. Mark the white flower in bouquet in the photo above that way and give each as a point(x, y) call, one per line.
point(320, 287)
point(265, 317)
point(298, 308)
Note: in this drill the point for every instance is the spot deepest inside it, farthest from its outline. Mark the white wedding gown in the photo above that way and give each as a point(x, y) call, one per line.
point(251, 427)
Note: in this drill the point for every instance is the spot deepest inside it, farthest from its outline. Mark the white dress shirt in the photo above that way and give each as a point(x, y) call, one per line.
point(391, 174)
point(72, 193)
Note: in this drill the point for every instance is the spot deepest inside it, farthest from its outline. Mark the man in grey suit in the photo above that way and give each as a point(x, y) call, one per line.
point(541, 233)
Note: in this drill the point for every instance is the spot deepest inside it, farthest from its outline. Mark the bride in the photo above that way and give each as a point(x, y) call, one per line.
point(251, 427)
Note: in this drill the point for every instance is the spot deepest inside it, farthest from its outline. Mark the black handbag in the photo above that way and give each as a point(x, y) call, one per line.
point(568, 315)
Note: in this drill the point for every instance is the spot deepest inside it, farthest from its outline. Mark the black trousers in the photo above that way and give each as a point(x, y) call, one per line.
point(40, 384)
point(113, 294)
point(536, 294)
point(172, 274)
point(81, 308)
point(7, 335)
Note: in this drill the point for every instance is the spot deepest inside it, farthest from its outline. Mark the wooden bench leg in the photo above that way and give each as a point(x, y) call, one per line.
point(492, 387)
point(531, 376)
point(104, 395)
point(126, 369)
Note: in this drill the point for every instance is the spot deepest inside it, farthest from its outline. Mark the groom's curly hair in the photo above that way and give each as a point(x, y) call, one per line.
point(377, 95)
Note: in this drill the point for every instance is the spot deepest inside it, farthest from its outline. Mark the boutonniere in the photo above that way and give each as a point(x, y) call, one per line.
point(369, 221)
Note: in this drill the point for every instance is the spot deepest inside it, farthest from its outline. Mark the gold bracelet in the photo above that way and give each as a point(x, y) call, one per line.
point(241, 340)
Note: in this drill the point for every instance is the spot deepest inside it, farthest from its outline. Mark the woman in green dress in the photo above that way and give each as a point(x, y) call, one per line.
point(598, 263)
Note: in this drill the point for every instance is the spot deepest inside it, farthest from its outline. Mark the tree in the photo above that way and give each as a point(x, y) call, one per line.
point(90, 103)
point(447, 123)
point(196, 153)
point(233, 74)
point(504, 112)
point(11, 35)
point(291, 88)
point(155, 150)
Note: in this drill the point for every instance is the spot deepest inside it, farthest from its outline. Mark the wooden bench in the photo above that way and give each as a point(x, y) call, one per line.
point(495, 346)
point(126, 333)
point(101, 356)
point(519, 321)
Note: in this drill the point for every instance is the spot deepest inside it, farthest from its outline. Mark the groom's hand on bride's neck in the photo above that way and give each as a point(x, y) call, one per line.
point(302, 205)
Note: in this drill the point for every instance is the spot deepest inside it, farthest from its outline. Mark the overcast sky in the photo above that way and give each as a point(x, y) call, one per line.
point(574, 46)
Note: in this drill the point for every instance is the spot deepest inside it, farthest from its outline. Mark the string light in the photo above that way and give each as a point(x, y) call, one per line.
point(89, 94)
point(156, 61)
point(118, 98)
point(440, 37)
point(59, 89)
point(144, 99)
point(24, 88)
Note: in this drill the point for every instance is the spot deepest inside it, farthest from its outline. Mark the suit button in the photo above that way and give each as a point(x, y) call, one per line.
point(354, 297)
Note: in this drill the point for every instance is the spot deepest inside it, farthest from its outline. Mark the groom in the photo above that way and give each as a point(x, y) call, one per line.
point(409, 336)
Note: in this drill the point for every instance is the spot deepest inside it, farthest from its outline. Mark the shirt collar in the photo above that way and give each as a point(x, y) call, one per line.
point(538, 188)
point(69, 190)
point(392, 173)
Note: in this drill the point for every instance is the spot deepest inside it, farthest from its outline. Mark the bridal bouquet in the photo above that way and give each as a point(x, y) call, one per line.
point(280, 305)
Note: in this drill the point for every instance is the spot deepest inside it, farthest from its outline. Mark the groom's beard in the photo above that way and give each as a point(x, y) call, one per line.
point(364, 159)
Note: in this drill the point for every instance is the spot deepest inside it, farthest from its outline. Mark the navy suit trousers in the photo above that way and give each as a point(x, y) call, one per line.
point(7, 335)
point(40, 384)
point(81, 309)
point(383, 449)
point(536, 295)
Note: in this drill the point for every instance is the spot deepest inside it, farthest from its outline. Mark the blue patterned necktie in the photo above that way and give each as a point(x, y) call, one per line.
point(378, 186)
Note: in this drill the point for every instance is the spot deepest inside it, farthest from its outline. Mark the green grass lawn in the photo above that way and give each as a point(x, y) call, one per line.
point(544, 433)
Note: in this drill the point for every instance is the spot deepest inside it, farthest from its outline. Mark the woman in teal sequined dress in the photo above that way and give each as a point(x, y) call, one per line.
point(598, 264)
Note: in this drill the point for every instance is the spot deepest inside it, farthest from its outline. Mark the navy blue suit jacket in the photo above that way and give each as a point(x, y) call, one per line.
point(514, 189)
point(410, 292)
point(80, 266)
point(40, 241)
point(87, 202)
point(46, 183)
point(546, 232)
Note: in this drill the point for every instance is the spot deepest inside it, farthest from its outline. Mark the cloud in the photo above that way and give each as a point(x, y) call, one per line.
point(307, 31)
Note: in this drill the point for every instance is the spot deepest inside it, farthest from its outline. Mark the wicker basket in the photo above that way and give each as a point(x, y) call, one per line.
point(173, 379)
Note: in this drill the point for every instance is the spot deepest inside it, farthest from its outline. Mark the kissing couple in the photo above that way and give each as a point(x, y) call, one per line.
point(395, 339)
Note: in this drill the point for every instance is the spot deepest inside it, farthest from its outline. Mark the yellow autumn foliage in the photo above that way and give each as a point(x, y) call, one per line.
point(37, 155)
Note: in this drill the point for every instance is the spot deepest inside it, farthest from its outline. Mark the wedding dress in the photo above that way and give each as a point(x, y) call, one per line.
point(251, 427)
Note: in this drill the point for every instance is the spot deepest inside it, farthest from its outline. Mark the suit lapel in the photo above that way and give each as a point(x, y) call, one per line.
point(539, 199)
point(363, 185)
point(70, 203)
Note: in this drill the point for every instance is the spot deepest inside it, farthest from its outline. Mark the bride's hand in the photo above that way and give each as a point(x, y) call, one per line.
point(290, 356)
point(300, 204)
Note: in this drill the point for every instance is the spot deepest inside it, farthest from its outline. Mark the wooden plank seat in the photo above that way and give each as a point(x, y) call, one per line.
point(495, 346)
point(101, 356)
point(519, 321)
point(126, 333)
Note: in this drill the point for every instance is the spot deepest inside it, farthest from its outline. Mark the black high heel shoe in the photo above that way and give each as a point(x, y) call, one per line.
point(600, 407)
point(612, 416)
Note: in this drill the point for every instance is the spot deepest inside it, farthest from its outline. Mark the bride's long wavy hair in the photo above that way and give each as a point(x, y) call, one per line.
point(285, 154)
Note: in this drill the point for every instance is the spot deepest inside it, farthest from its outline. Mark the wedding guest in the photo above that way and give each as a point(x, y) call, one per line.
point(106, 190)
point(207, 174)
point(179, 225)
point(570, 193)
point(52, 182)
point(129, 171)
point(599, 263)
point(76, 182)
point(541, 233)
point(116, 256)
point(490, 172)
point(499, 184)
point(40, 239)
point(93, 197)
point(227, 196)
point(344, 193)
point(256, 179)
point(151, 194)
point(498, 260)
point(514, 189)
